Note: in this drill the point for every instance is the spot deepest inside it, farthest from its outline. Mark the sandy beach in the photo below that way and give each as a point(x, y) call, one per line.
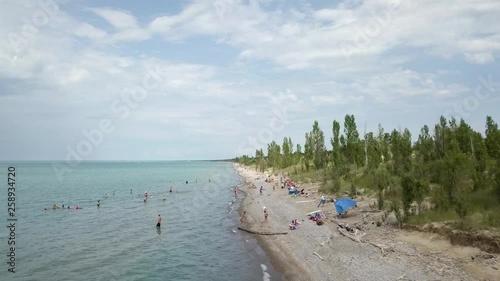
point(321, 252)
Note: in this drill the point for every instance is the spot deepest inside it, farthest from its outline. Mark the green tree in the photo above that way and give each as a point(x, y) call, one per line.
point(261, 161)
point(457, 174)
point(308, 151)
point(374, 156)
point(317, 143)
point(383, 143)
point(492, 140)
point(335, 140)
point(353, 149)
point(274, 155)
point(424, 146)
point(407, 195)
point(401, 150)
point(382, 180)
point(298, 154)
point(497, 183)
point(287, 152)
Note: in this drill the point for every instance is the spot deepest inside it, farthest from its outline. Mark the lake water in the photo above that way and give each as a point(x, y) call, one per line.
point(198, 239)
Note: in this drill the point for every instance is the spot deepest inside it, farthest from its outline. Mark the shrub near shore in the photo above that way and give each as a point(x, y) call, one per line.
point(452, 174)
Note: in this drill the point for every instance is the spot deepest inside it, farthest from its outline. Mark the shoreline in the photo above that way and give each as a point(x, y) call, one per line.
point(281, 259)
point(295, 254)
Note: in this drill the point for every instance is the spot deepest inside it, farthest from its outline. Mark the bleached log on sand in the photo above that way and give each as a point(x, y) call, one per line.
point(380, 246)
point(319, 256)
point(343, 232)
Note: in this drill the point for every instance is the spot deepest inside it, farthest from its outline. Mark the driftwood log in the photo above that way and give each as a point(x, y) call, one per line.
point(319, 256)
point(353, 238)
point(262, 232)
point(382, 248)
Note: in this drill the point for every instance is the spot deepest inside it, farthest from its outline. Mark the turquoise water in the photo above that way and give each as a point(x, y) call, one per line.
point(198, 239)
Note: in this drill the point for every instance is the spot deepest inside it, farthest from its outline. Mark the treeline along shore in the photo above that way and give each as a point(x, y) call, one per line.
point(449, 173)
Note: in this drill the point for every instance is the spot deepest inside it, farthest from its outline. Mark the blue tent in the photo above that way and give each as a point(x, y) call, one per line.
point(344, 204)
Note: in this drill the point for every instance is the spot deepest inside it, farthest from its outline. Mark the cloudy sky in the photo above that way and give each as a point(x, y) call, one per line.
point(166, 80)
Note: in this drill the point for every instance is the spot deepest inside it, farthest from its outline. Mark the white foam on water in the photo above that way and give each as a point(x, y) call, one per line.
point(265, 275)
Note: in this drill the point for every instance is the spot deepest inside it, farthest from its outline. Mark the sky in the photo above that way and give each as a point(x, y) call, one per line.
point(187, 80)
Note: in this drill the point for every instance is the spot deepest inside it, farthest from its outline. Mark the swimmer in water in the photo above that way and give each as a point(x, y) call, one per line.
point(159, 221)
point(98, 203)
point(170, 189)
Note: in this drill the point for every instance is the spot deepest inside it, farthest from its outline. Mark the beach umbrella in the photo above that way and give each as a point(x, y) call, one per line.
point(344, 204)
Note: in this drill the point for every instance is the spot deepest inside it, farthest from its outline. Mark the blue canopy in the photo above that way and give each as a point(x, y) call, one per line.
point(344, 204)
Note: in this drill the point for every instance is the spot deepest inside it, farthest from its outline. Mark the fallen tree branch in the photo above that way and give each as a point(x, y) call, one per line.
point(355, 239)
point(319, 256)
point(381, 247)
point(261, 232)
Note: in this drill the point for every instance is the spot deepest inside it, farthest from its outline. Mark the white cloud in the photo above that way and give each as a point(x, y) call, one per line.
point(118, 19)
point(293, 59)
point(90, 31)
point(335, 100)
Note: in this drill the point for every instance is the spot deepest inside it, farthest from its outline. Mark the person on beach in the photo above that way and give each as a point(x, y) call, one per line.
point(322, 201)
point(261, 188)
point(158, 224)
point(235, 192)
point(242, 218)
point(98, 203)
point(265, 215)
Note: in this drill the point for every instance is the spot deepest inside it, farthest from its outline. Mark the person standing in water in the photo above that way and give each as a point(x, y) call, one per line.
point(98, 203)
point(235, 192)
point(158, 224)
point(170, 188)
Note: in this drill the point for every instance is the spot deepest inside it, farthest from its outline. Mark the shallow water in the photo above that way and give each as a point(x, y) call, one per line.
point(198, 239)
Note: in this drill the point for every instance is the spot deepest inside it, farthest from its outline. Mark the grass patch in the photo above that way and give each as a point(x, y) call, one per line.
point(433, 216)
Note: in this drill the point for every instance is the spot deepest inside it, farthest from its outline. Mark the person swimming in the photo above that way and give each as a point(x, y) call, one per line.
point(158, 224)
point(170, 189)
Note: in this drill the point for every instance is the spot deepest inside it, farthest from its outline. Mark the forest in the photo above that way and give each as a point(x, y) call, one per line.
point(450, 172)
